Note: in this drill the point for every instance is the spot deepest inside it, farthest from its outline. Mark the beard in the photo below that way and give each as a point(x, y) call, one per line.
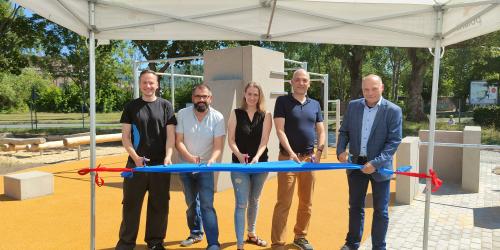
point(201, 106)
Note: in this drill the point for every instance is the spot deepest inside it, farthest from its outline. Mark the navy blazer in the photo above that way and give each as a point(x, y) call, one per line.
point(385, 135)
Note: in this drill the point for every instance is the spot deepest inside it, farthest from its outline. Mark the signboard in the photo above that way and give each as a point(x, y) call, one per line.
point(483, 94)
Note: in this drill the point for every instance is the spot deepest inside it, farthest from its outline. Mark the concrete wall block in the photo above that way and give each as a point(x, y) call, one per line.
point(28, 185)
point(447, 160)
point(471, 159)
point(407, 154)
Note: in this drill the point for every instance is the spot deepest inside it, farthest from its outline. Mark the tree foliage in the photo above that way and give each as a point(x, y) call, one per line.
point(55, 52)
point(18, 38)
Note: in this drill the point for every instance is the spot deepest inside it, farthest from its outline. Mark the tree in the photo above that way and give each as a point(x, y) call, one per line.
point(154, 50)
point(420, 59)
point(15, 90)
point(66, 54)
point(18, 38)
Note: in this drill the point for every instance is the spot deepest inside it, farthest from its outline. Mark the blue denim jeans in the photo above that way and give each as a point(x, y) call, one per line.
point(199, 194)
point(358, 185)
point(247, 190)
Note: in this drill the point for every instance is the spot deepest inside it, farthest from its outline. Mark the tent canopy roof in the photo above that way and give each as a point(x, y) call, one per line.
point(402, 23)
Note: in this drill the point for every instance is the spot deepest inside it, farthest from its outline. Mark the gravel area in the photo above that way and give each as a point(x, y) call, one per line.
point(15, 161)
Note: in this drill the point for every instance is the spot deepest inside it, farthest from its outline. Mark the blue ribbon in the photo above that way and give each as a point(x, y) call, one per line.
point(260, 167)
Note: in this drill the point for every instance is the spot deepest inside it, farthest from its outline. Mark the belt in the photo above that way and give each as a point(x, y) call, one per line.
point(301, 154)
point(359, 159)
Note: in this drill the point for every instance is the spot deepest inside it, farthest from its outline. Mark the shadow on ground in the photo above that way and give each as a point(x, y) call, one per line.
point(487, 217)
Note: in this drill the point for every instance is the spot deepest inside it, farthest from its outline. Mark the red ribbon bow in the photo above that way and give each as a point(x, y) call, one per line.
point(98, 180)
point(436, 182)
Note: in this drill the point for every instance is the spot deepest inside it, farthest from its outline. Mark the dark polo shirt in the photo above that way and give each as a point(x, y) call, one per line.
point(300, 121)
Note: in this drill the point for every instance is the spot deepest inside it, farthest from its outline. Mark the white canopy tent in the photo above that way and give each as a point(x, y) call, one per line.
point(402, 23)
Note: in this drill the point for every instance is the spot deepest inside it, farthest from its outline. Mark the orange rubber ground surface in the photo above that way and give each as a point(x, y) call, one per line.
point(62, 220)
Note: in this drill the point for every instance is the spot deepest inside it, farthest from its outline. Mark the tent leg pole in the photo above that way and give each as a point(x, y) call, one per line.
point(432, 122)
point(92, 121)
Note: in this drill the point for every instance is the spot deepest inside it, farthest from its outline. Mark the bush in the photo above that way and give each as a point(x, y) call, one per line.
point(15, 93)
point(487, 116)
point(9, 101)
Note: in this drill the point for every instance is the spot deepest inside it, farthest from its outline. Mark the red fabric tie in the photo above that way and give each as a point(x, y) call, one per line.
point(436, 182)
point(98, 180)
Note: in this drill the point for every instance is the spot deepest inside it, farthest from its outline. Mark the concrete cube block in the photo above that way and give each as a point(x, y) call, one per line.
point(28, 185)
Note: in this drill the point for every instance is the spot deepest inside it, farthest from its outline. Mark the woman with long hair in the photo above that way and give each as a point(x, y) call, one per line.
point(248, 133)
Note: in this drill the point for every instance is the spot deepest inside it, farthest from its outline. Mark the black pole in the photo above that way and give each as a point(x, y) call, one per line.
point(31, 113)
point(459, 109)
point(32, 104)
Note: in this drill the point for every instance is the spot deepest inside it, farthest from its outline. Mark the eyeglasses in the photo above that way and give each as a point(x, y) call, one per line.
point(201, 96)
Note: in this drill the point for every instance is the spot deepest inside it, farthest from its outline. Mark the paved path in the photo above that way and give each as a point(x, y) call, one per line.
point(458, 220)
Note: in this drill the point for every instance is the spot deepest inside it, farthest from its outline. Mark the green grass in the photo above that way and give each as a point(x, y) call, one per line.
point(55, 118)
point(489, 135)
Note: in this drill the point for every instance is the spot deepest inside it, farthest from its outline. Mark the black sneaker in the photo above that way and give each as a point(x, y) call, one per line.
point(158, 246)
point(346, 247)
point(303, 244)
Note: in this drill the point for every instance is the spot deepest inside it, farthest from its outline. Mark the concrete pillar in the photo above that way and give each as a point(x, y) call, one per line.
point(471, 159)
point(407, 155)
point(227, 71)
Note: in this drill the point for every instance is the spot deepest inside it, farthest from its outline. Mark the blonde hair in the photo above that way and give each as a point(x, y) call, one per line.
point(261, 106)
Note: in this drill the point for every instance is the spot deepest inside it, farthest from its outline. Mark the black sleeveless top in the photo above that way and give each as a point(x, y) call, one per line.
point(248, 134)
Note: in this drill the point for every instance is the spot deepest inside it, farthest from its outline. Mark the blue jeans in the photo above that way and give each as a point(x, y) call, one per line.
point(358, 185)
point(247, 190)
point(199, 194)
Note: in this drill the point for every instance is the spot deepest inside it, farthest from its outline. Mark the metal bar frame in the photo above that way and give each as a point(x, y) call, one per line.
point(476, 3)
point(179, 18)
point(480, 13)
point(180, 75)
point(135, 68)
point(361, 22)
point(80, 20)
point(171, 20)
point(268, 34)
point(172, 84)
point(459, 145)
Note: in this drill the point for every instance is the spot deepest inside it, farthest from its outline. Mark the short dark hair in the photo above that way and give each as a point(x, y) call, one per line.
point(148, 71)
point(201, 86)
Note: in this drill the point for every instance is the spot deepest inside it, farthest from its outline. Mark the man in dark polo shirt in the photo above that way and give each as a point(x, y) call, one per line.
point(298, 120)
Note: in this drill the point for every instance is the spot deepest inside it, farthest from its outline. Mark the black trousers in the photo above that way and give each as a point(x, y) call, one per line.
point(134, 189)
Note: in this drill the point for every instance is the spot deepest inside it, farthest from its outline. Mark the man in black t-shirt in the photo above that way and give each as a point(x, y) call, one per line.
point(148, 135)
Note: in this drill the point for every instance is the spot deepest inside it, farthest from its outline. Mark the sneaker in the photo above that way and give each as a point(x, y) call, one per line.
point(158, 246)
point(346, 247)
point(303, 244)
point(191, 240)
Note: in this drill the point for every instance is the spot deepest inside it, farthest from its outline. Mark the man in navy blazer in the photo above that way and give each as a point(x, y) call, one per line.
point(372, 128)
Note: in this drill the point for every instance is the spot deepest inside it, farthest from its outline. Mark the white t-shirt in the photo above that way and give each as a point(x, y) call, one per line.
point(199, 136)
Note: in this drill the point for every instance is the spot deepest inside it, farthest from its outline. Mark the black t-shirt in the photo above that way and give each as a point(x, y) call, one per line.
point(149, 122)
point(248, 134)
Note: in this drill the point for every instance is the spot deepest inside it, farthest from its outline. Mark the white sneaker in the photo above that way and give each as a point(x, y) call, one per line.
point(191, 240)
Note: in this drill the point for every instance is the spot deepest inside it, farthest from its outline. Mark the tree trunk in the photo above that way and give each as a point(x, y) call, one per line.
point(355, 62)
point(415, 105)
